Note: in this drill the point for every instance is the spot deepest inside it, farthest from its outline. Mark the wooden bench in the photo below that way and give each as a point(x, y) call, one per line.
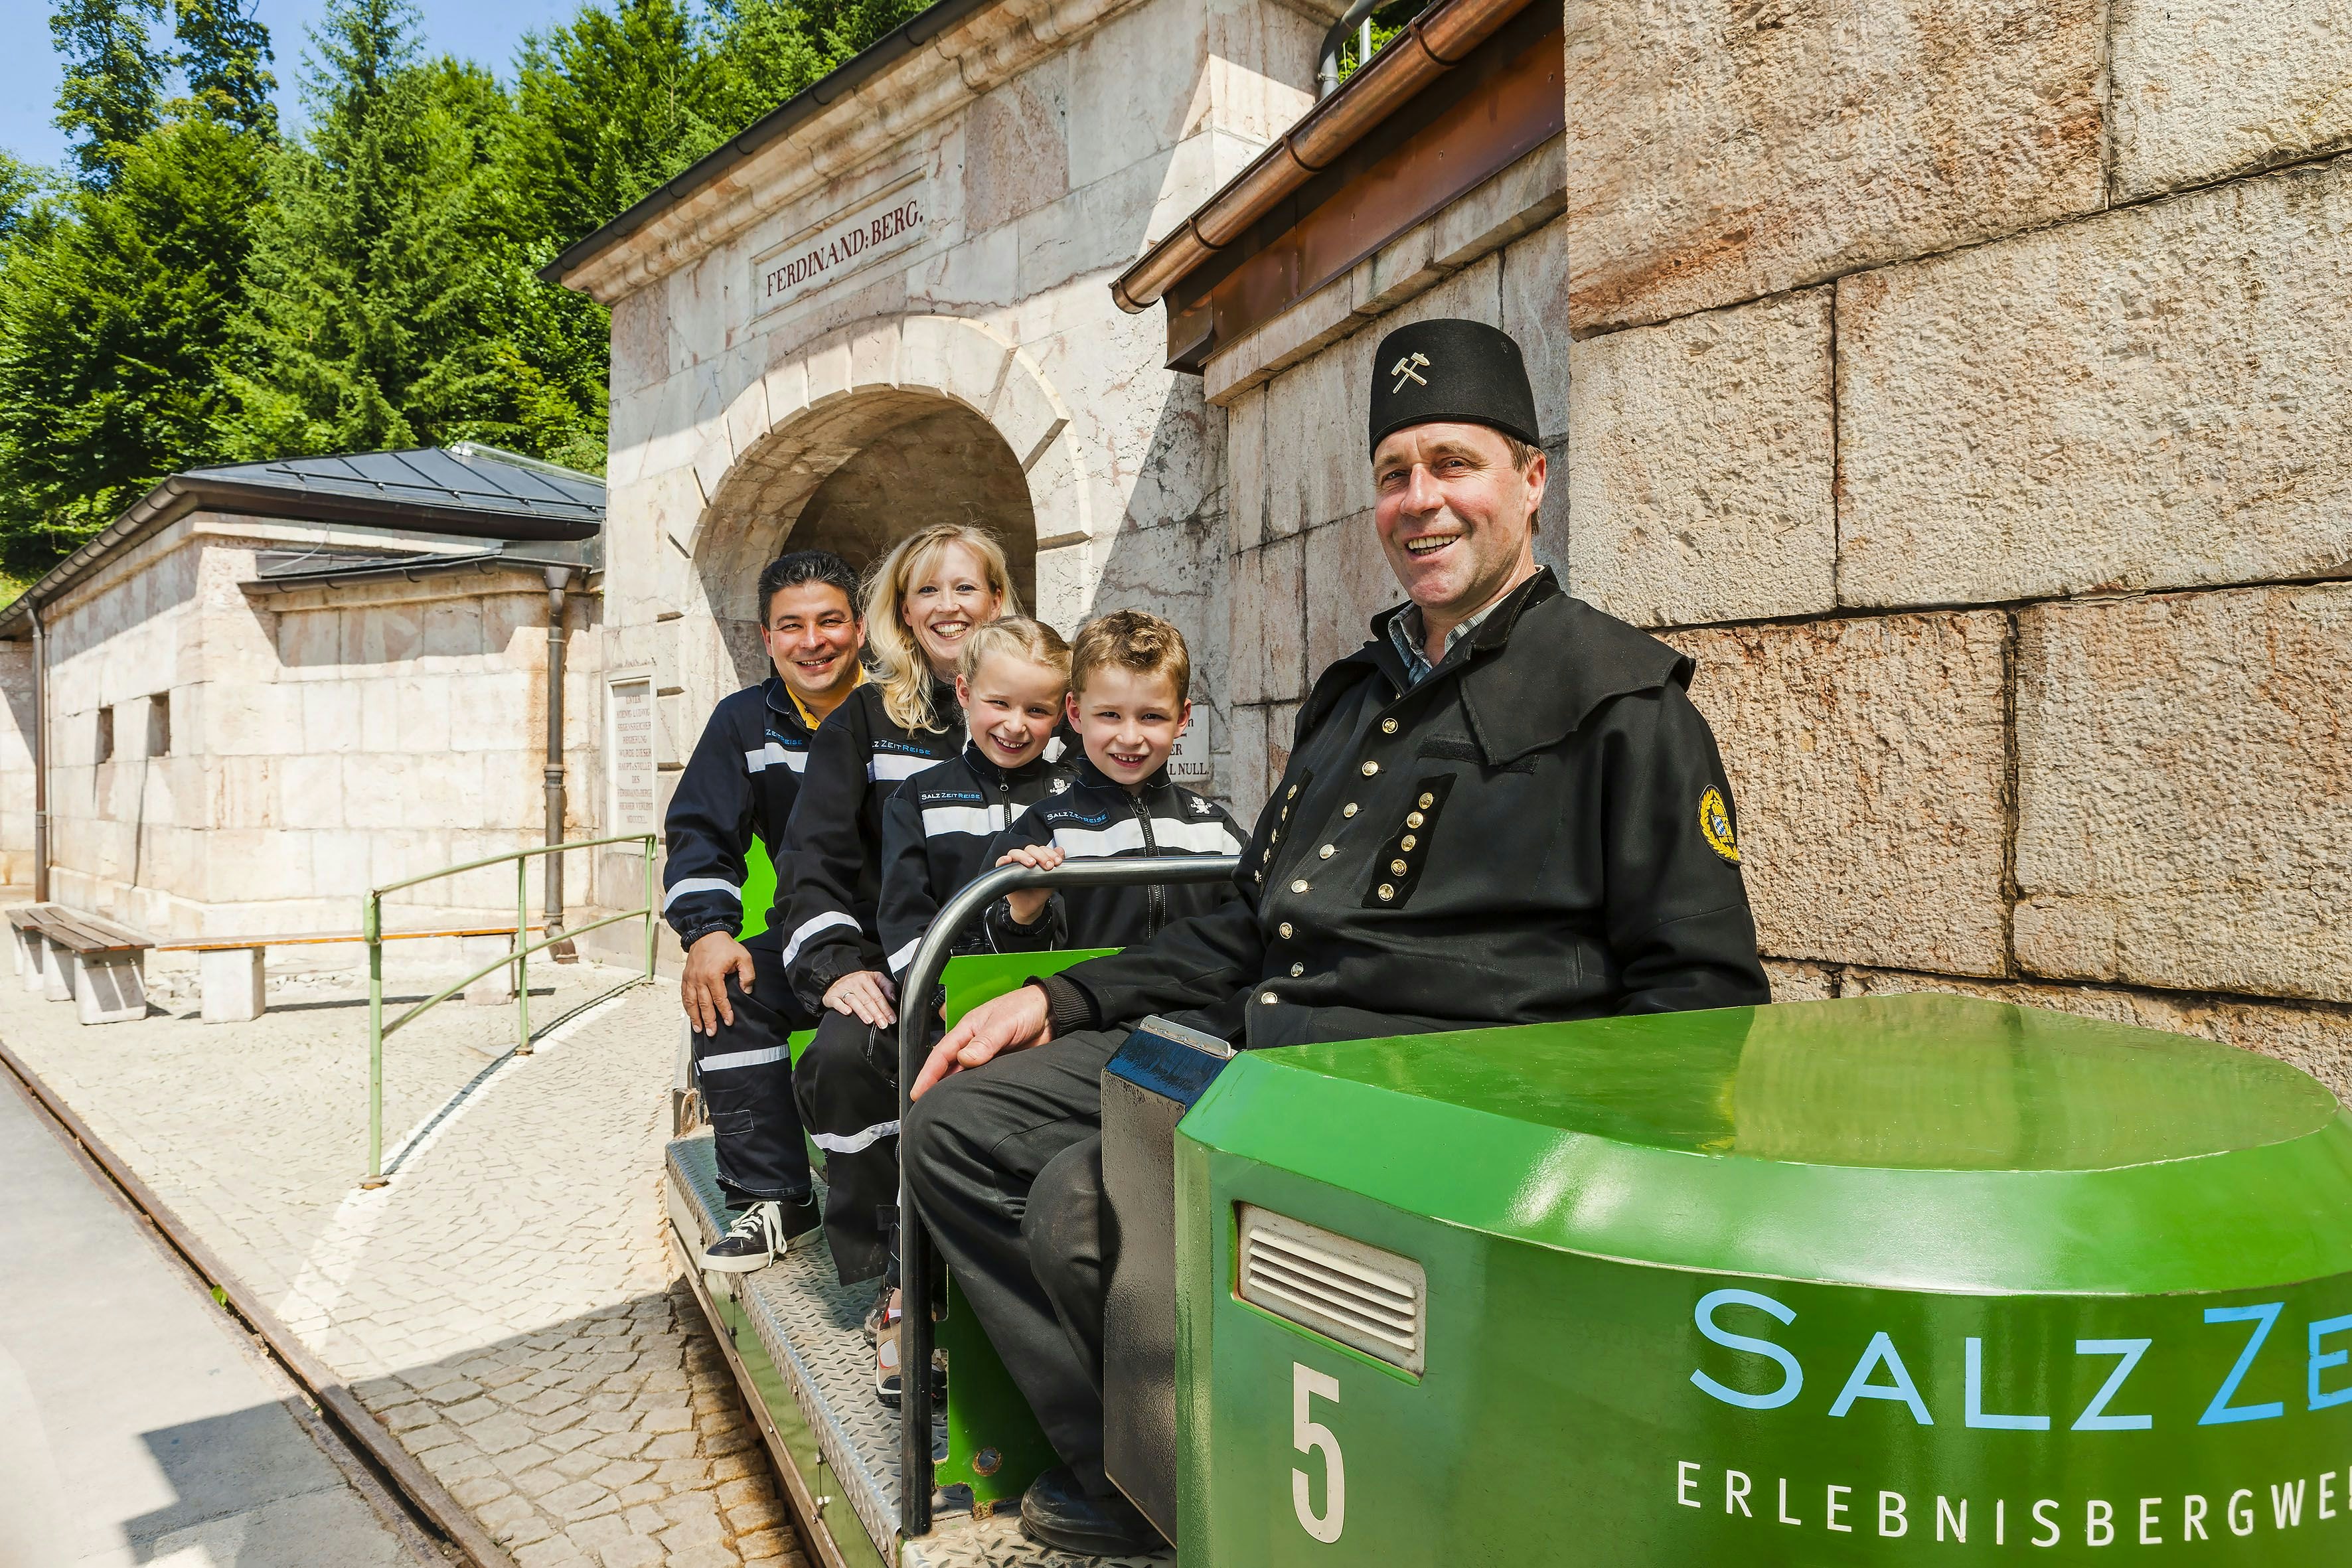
point(232, 976)
point(99, 966)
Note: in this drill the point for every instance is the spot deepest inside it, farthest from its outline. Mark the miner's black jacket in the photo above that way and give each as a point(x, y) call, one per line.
point(1540, 830)
point(1097, 817)
point(739, 784)
point(936, 834)
point(825, 899)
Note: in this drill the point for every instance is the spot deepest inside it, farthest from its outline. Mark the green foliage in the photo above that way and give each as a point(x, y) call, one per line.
point(114, 321)
point(224, 53)
point(113, 89)
point(23, 210)
point(205, 292)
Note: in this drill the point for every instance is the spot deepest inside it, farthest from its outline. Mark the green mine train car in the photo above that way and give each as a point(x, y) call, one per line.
point(1915, 1278)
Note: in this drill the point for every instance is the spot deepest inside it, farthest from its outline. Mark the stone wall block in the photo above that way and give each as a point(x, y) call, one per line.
point(1718, 154)
point(453, 629)
point(1245, 782)
point(2209, 88)
point(1800, 981)
point(1245, 470)
point(379, 706)
point(1868, 765)
point(494, 712)
point(311, 792)
point(1703, 461)
point(1016, 158)
point(1026, 412)
point(2155, 397)
point(2184, 791)
point(330, 716)
point(1352, 584)
point(1534, 293)
point(2316, 1039)
point(421, 705)
point(1268, 598)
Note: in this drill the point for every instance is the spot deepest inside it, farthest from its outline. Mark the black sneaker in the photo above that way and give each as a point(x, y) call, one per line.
point(1056, 1511)
point(753, 1241)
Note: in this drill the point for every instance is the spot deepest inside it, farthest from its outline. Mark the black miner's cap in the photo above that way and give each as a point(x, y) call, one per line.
point(1449, 372)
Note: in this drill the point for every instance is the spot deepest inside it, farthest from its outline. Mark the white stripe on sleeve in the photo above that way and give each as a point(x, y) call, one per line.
point(768, 756)
point(686, 885)
point(822, 922)
point(973, 819)
point(900, 959)
point(895, 765)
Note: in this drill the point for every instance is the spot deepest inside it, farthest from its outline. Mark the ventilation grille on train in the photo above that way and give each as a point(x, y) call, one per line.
point(1368, 1300)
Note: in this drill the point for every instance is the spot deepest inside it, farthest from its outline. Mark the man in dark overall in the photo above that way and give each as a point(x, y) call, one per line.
point(1503, 809)
point(739, 785)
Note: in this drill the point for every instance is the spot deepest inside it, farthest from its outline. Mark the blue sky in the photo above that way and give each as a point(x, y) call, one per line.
point(483, 30)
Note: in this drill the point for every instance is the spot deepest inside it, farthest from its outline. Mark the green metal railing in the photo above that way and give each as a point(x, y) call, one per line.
point(517, 959)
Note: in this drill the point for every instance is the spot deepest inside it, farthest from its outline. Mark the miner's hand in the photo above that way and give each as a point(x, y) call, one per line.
point(1014, 1022)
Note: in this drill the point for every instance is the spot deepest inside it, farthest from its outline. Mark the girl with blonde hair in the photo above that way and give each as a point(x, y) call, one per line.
point(922, 601)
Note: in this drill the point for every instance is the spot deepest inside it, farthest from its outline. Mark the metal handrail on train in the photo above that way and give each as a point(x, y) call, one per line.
point(915, 1336)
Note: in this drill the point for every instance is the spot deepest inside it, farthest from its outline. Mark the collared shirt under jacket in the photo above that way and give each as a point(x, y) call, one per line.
point(739, 784)
point(826, 897)
point(1540, 830)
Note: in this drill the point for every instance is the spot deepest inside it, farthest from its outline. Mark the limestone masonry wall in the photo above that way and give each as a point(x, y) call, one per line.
point(319, 740)
point(1967, 385)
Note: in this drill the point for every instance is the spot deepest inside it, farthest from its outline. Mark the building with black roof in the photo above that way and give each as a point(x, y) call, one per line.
point(267, 686)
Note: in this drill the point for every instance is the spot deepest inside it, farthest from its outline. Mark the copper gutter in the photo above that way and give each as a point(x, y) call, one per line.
point(1433, 43)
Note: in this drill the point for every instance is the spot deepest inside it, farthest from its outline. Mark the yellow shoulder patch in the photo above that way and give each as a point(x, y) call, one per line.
point(1716, 823)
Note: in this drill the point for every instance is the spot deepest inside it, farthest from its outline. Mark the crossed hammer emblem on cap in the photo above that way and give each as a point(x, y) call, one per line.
point(1403, 371)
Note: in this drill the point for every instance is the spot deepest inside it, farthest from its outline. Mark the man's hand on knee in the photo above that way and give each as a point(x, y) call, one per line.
point(702, 989)
point(1015, 1022)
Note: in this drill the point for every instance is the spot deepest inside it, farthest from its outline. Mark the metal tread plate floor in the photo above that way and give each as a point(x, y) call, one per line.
point(808, 1323)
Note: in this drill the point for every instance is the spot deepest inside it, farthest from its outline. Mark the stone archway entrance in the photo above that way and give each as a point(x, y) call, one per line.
point(945, 465)
point(856, 478)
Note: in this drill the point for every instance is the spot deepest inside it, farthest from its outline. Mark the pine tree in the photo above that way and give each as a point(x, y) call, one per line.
point(113, 89)
point(607, 106)
point(390, 301)
point(115, 316)
point(224, 53)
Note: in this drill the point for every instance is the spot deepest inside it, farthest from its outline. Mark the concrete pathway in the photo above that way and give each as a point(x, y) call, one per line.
point(136, 1423)
point(506, 1306)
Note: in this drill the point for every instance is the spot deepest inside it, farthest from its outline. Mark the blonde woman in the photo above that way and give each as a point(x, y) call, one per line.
point(922, 600)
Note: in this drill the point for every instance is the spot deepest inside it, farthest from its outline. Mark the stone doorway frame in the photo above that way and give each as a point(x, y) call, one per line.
point(814, 409)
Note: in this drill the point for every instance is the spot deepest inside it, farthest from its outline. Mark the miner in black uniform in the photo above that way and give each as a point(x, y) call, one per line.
point(739, 786)
point(1503, 809)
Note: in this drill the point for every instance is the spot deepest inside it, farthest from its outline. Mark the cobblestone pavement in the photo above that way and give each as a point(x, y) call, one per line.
point(507, 1305)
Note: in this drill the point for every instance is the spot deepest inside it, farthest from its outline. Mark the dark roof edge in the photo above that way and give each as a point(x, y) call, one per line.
point(852, 73)
point(181, 494)
point(413, 568)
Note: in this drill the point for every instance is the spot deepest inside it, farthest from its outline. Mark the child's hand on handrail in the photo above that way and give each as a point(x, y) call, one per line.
point(1028, 906)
